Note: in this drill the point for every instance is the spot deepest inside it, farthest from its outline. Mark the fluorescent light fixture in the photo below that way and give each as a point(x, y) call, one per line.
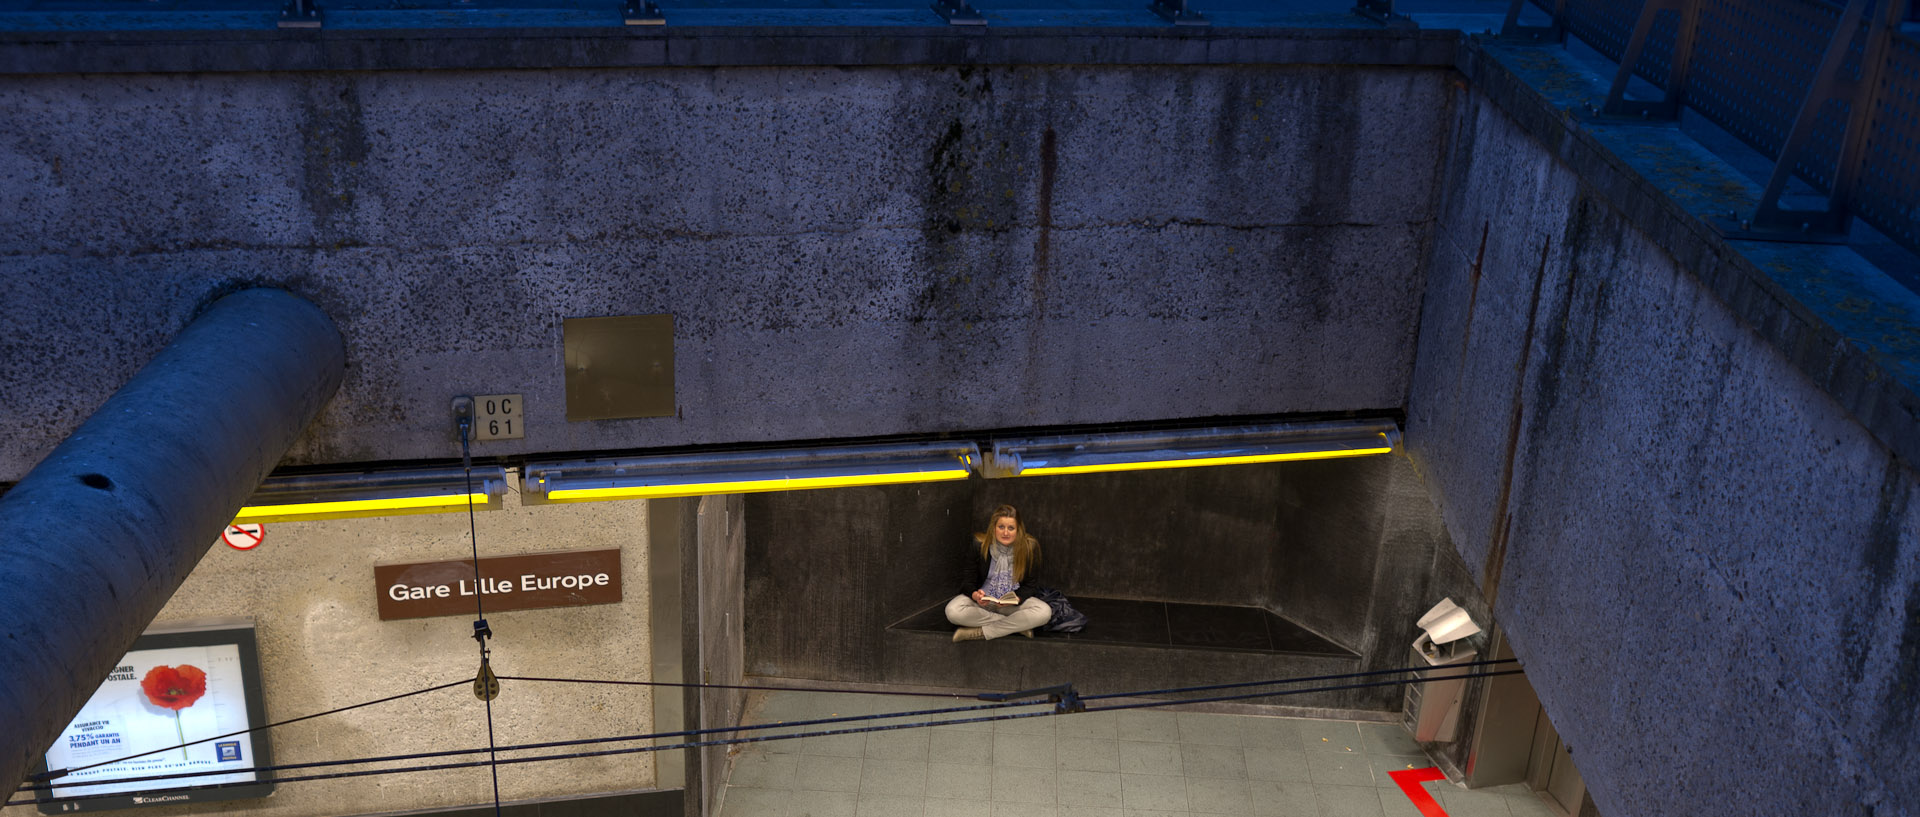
point(746, 472)
point(374, 493)
point(1282, 442)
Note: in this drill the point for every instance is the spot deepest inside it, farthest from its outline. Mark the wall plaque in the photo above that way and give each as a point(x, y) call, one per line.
point(525, 582)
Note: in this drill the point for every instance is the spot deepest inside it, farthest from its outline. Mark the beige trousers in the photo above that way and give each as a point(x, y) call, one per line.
point(1030, 614)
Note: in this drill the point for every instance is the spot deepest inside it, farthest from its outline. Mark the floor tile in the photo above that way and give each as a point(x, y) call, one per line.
point(1349, 801)
point(1021, 784)
point(1089, 725)
point(890, 805)
point(836, 745)
point(1276, 764)
point(1382, 764)
point(1089, 811)
point(960, 747)
point(1201, 727)
point(900, 744)
point(1087, 754)
point(828, 773)
point(1270, 733)
point(741, 801)
point(764, 771)
point(1147, 724)
point(1153, 792)
point(823, 804)
point(1219, 796)
point(1087, 788)
point(1395, 803)
point(1198, 760)
point(960, 781)
point(1023, 750)
point(1463, 803)
point(1024, 810)
point(1339, 769)
point(1149, 758)
point(1025, 726)
point(1330, 736)
point(1388, 739)
point(1528, 805)
point(902, 777)
point(1273, 798)
point(944, 807)
point(1135, 812)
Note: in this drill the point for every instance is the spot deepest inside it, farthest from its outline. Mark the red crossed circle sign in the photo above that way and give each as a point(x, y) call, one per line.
point(244, 535)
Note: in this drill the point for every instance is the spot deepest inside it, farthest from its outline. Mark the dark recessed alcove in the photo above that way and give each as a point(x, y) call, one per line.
point(1190, 576)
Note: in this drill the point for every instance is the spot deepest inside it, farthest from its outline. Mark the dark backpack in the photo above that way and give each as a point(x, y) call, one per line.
point(1065, 618)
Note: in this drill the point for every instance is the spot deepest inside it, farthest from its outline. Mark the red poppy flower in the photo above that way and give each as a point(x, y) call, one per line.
point(174, 688)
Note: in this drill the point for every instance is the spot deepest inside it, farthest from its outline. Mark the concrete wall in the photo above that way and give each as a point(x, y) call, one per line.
point(1346, 547)
point(847, 252)
point(1709, 567)
point(309, 589)
point(720, 616)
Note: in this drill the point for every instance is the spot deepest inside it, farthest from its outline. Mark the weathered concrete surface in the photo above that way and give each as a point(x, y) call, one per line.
point(717, 577)
point(847, 252)
point(1709, 567)
point(102, 531)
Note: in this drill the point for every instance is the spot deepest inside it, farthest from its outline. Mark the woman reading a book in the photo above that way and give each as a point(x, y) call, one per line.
point(993, 602)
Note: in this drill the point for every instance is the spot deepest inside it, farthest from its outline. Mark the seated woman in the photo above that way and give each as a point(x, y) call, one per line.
point(997, 604)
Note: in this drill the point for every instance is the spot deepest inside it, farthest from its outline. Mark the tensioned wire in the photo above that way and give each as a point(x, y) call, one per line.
point(495, 761)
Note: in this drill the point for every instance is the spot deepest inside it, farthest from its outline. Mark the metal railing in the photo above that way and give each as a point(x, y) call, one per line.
point(1750, 67)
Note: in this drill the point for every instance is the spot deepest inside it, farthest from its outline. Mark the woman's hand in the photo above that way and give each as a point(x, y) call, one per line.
point(979, 598)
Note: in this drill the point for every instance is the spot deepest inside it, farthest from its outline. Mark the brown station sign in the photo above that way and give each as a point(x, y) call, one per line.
point(525, 582)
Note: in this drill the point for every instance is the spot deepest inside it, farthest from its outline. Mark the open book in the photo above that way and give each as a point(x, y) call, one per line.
point(1011, 599)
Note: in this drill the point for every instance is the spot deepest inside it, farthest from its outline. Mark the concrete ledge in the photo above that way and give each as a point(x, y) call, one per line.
point(1866, 374)
point(59, 52)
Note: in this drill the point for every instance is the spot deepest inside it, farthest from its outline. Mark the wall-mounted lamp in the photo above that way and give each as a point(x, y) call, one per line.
point(383, 493)
point(745, 472)
point(1091, 453)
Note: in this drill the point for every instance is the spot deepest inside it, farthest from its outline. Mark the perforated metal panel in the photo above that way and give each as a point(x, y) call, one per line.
point(1752, 65)
point(1888, 196)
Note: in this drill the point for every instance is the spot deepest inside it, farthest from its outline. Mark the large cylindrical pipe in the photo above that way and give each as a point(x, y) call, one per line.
point(96, 537)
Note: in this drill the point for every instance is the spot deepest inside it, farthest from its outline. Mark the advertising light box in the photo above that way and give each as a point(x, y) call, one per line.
point(176, 686)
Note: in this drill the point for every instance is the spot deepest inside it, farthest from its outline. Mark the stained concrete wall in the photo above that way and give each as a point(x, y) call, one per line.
point(1709, 567)
point(309, 589)
point(847, 251)
point(1346, 547)
point(719, 615)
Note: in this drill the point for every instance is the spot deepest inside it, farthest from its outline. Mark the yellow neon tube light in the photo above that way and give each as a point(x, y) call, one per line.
point(749, 486)
point(1148, 465)
point(390, 506)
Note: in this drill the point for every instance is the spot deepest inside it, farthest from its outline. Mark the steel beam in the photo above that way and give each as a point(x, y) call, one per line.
point(97, 536)
point(1666, 109)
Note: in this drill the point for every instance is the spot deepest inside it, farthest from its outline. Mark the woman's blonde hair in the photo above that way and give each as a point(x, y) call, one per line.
point(1026, 549)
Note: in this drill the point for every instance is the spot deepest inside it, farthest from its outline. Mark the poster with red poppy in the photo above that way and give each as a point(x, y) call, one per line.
point(160, 711)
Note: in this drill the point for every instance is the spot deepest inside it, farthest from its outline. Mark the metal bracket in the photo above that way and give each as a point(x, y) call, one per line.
point(1618, 108)
point(958, 12)
point(1381, 11)
point(1063, 696)
point(1554, 33)
point(300, 14)
point(1770, 221)
point(642, 13)
point(1178, 13)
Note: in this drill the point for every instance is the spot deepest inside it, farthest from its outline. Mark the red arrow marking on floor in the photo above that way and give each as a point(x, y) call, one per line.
point(1409, 782)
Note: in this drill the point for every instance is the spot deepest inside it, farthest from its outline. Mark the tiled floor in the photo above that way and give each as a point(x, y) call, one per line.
point(1132, 763)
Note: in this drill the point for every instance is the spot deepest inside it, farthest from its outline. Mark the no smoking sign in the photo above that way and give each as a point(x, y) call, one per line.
point(244, 535)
